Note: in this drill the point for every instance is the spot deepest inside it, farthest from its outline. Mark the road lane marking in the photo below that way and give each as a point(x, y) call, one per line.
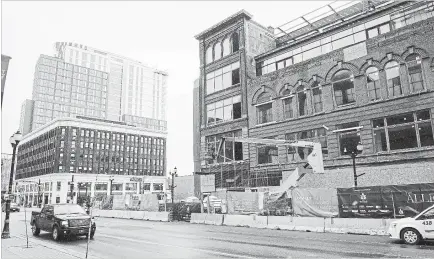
point(189, 248)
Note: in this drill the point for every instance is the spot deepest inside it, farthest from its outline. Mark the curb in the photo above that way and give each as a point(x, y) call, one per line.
point(59, 248)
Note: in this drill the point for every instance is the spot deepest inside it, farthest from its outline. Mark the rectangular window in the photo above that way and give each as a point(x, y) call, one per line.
point(225, 110)
point(268, 154)
point(265, 113)
point(158, 186)
point(404, 131)
point(348, 139)
point(300, 154)
point(223, 78)
point(377, 30)
point(147, 187)
point(317, 99)
point(344, 92)
point(230, 151)
point(59, 186)
point(288, 110)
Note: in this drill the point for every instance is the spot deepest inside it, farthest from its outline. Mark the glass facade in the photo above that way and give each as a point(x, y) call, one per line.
point(66, 90)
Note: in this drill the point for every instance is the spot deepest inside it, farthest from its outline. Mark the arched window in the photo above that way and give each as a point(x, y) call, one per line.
point(317, 97)
point(226, 47)
point(265, 108)
point(217, 51)
point(302, 101)
point(393, 79)
point(373, 83)
point(343, 87)
point(288, 109)
point(235, 42)
point(209, 55)
point(414, 66)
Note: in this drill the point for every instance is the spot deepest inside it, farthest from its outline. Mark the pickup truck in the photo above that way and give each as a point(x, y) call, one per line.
point(62, 220)
point(412, 230)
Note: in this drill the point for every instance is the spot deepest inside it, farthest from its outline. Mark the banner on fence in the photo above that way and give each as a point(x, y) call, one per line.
point(143, 202)
point(392, 201)
point(315, 202)
point(242, 202)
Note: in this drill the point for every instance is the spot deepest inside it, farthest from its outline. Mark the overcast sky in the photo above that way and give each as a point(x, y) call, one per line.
point(159, 34)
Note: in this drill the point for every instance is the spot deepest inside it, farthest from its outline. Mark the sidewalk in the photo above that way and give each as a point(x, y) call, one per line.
point(15, 247)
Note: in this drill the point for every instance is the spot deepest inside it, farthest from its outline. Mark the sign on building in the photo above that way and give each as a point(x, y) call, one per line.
point(203, 183)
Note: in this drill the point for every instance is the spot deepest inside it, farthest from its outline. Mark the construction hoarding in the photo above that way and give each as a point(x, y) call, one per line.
point(391, 201)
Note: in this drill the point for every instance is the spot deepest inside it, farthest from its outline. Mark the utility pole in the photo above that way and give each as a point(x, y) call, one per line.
point(72, 189)
point(39, 193)
point(172, 187)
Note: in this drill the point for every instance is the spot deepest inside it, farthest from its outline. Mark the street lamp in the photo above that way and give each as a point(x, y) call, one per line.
point(172, 187)
point(111, 179)
point(353, 153)
point(14, 140)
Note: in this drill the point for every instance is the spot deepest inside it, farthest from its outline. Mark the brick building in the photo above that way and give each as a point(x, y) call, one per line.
point(108, 156)
point(362, 74)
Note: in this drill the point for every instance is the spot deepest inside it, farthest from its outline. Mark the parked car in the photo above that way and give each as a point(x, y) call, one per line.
point(62, 220)
point(14, 207)
point(412, 230)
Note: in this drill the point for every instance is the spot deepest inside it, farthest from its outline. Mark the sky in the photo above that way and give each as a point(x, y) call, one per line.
point(160, 34)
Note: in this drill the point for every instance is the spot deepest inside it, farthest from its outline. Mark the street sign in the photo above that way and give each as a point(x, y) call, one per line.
point(207, 183)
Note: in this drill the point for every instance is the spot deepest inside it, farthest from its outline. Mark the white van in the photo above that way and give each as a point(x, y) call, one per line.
point(413, 230)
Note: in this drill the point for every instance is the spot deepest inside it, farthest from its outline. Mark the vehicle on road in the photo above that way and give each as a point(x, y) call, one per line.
point(62, 220)
point(412, 230)
point(14, 207)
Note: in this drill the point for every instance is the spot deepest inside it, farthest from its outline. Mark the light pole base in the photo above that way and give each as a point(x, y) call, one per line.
point(5, 235)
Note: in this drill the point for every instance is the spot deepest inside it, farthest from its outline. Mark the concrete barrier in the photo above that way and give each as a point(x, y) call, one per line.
point(259, 221)
point(198, 218)
point(156, 216)
point(276, 222)
point(309, 224)
point(358, 226)
point(238, 220)
point(213, 219)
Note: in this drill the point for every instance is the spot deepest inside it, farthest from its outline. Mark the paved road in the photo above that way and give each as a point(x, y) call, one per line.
point(130, 239)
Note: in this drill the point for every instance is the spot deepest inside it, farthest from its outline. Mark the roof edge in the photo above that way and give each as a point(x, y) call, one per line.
point(240, 14)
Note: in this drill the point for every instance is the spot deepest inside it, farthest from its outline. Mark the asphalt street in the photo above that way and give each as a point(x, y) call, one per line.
point(120, 238)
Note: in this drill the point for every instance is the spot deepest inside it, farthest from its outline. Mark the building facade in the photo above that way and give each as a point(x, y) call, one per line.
point(6, 161)
point(5, 67)
point(63, 89)
point(363, 76)
point(111, 157)
point(26, 117)
point(134, 88)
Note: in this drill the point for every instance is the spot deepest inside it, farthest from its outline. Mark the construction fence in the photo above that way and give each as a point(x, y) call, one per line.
point(392, 201)
point(136, 202)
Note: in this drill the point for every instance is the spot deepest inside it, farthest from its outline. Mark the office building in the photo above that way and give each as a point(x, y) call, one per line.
point(349, 74)
point(133, 89)
point(108, 156)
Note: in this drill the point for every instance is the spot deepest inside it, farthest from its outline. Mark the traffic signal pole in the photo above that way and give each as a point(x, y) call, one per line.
point(72, 189)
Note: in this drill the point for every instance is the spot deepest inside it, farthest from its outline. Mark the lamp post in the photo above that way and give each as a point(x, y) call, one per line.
point(172, 186)
point(111, 179)
point(14, 140)
point(353, 153)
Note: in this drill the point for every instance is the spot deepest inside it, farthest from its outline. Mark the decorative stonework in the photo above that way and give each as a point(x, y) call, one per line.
point(390, 57)
point(370, 63)
point(339, 66)
point(261, 90)
point(413, 50)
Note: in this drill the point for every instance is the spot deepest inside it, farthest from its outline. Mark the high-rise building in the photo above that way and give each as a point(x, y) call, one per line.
point(133, 88)
point(26, 117)
point(355, 76)
point(61, 89)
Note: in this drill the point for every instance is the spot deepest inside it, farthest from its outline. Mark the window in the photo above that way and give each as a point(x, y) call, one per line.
point(230, 150)
point(414, 66)
point(288, 110)
point(59, 185)
point(317, 97)
point(265, 113)
point(101, 187)
point(57, 199)
point(209, 55)
point(223, 78)
point(349, 138)
point(217, 51)
point(380, 29)
point(62, 143)
point(131, 187)
point(158, 186)
point(226, 47)
point(409, 130)
point(302, 101)
point(373, 83)
point(393, 79)
point(294, 154)
point(343, 87)
point(225, 110)
point(235, 42)
point(117, 187)
point(268, 154)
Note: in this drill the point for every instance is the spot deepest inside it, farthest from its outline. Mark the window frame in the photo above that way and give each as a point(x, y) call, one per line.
point(377, 84)
point(269, 120)
point(414, 123)
point(386, 69)
point(414, 63)
point(333, 82)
